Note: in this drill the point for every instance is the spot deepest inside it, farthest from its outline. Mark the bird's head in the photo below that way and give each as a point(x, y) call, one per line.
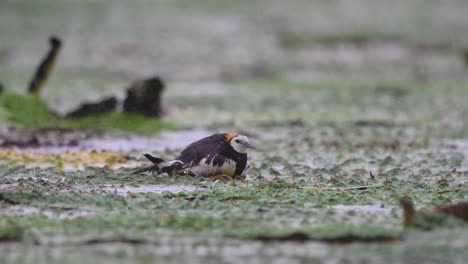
point(239, 143)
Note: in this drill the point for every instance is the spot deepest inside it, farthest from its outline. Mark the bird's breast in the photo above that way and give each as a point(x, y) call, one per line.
point(210, 167)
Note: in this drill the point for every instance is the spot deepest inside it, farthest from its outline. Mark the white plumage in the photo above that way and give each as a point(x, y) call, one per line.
point(204, 169)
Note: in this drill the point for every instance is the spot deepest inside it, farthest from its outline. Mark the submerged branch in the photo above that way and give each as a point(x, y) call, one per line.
point(44, 69)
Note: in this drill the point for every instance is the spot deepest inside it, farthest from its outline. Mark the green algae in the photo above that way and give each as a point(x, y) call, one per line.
point(231, 207)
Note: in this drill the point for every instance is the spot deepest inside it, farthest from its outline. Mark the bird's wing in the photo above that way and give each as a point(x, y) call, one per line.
point(204, 148)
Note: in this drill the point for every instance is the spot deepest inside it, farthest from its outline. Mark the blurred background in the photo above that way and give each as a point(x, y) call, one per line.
point(198, 47)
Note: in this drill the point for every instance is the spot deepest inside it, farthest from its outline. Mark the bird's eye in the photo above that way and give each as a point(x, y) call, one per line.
point(237, 141)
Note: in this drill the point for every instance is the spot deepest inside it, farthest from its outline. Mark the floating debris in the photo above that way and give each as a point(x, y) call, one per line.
point(428, 218)
point(341, 239)
point(104, 106)
point(46, 66)
point(144, 97)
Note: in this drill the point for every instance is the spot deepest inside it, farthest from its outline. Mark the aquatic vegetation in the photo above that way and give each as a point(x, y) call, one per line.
point(337, 181)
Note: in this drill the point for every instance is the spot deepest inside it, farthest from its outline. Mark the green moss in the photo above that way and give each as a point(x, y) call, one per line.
point(31, 112)
point(114, 121)
point(24, 110)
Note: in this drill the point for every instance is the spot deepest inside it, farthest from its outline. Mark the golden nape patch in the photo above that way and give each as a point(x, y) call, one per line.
point(229, 136)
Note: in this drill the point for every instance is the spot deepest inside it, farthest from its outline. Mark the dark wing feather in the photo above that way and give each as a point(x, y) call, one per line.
point(155, 160)
point(218, 160)
point(239, 159)
point(241, 163)
point(203, 148)
point(153, 169)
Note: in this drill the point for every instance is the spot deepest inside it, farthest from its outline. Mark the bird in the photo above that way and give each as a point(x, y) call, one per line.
point(223, 154)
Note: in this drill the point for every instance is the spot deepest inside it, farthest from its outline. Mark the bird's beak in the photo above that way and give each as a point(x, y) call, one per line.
point(248, 145)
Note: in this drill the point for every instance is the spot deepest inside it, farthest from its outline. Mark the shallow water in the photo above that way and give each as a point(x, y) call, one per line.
point(364, 208)
point(161, 141)
point(65, 213)
point(152, 189)
point(164, 140)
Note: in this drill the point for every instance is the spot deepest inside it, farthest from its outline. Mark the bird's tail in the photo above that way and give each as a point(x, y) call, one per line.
point(155, 160)
point(171, 167)
point(154, 168)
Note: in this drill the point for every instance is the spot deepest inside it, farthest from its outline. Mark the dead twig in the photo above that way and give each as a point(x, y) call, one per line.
point(44, 69)
point(331, 188)
point(7, 200)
